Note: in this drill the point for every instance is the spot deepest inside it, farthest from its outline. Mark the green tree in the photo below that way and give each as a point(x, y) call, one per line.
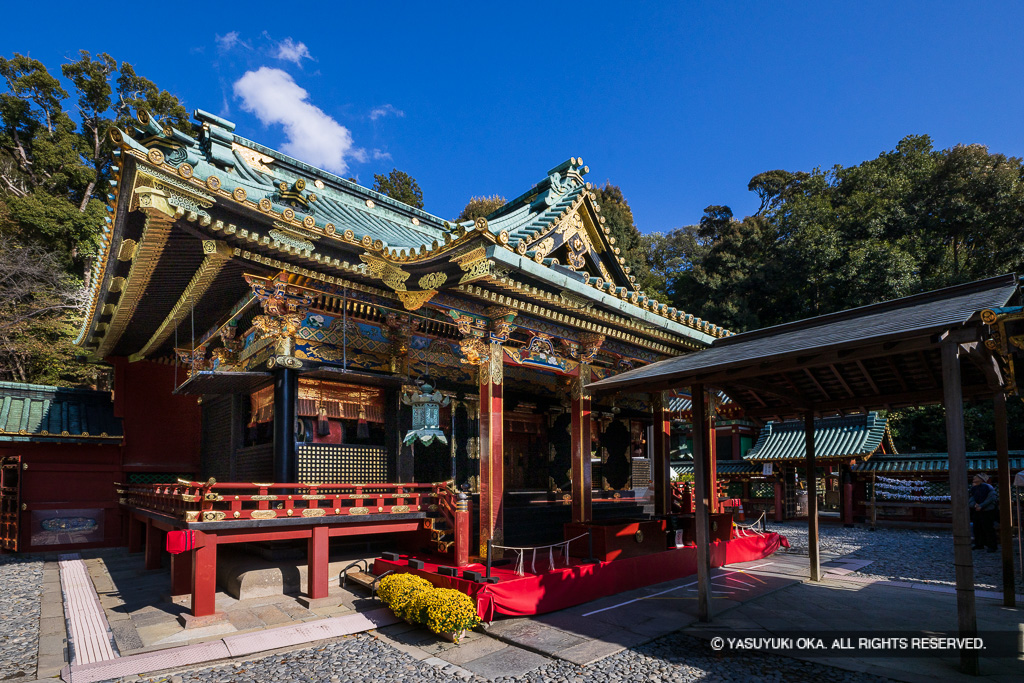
point(400, 186)
point(54, 173)
point(623, 231)
point(481, 207)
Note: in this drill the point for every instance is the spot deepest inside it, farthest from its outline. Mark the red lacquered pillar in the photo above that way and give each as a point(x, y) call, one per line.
point(492, 485)
point(317, 563)
point(580, 429)
point(181, 573)
point(154, 545)
point(661, 445)
point(204, 575)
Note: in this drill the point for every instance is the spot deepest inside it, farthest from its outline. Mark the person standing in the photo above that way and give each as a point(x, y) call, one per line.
point(984, 502)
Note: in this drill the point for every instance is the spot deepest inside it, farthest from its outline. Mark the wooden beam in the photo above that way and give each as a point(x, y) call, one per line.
point(1005, 532)
point(763, 387)
point(897, 374)
point(928, 369)
point(842, 380)
point(985, 361)
point(812, 498)
point(867, 377)
point(923, 397)
point(824, 392)
point(762, 368)
point(700, 482)
point(962, 560)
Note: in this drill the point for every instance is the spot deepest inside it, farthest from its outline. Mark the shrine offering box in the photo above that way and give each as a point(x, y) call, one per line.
point(617, 538)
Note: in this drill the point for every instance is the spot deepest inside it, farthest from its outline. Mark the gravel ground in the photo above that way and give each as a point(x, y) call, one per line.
point(362, 658)
point(901, 554)
point(21, 590)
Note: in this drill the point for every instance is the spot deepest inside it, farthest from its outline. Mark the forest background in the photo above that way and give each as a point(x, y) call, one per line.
point(825, 239)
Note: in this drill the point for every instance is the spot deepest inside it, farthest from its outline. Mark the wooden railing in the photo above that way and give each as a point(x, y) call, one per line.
point(192, 501)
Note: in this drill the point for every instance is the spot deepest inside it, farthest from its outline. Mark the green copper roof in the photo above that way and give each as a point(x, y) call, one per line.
point(925, 463)
point(39, 413)
point(853, 436)
point(684, 468)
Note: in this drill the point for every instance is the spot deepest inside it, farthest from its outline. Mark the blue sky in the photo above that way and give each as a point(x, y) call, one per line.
point(680, 103)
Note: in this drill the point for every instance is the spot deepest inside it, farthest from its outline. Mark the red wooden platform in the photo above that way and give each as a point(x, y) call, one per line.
point(579, 582)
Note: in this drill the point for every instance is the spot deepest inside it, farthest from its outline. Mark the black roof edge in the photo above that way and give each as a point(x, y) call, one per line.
point(935, 294)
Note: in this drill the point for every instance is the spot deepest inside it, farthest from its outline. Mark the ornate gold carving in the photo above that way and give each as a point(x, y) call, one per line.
point(543, 248)
point(474, 264)
point(391, 275)
point(253, 158)
point(432, 280)
point(314, 512)
point(329, 228)
point(192, 515)
point(497, 364)
point(314, 496)
point(263, 514)
point(262, 497)
point(213, 516)
point(358, 511)
point(239, 194)
point(591, 344)
point(156, 156)
point(126, 252)
point(399, 509)
point(475, 351)
point(185, 170)
point(213, 182)
point(414, 300)
point(265, 205)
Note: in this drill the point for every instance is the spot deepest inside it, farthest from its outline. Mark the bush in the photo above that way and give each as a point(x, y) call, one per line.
point(449, 611)
point(399, 590)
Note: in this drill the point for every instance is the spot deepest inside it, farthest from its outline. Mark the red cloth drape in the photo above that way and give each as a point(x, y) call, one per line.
point(565, 587)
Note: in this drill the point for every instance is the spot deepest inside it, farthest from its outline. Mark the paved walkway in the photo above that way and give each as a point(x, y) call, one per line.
point(619, 637)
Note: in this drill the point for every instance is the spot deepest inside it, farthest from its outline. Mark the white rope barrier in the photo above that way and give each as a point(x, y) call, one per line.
point(563, 547)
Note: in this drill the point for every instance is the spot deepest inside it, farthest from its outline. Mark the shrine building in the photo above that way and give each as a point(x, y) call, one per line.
point(270, 322)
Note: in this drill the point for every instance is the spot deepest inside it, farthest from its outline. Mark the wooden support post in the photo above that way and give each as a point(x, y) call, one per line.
point(736, 444)
point(181, 574)
point(1005, 532)
point(712, 471)
point(492, 465)
point(700, 480)
point(780, 499)
point(463, 529)
point(846, 489)
point(154, 545)
point(955, 444)
point(812, 498)
point(204, 576)
point(662, 444)
point(136, 531)
point(317, 560)
point(286, 391)
point(580, 435)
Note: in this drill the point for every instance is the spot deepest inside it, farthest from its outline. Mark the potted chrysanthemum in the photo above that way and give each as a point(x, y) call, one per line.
point(450, 613)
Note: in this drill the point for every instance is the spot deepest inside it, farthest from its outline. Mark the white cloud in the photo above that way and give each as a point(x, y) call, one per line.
point(385, 110)
point(313, 136)
point(229, 41)
point(380, 155)
point(290, 51)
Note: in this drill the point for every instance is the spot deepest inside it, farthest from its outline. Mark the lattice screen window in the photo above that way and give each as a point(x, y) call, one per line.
point(340, 464)
point(762, 489)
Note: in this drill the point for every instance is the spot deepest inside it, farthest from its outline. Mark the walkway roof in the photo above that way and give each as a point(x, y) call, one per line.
point(882, 356)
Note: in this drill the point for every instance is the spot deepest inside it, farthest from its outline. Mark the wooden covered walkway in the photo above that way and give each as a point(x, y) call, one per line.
point(900, 353)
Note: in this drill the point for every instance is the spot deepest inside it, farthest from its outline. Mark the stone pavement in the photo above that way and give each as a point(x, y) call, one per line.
point(617, 636)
